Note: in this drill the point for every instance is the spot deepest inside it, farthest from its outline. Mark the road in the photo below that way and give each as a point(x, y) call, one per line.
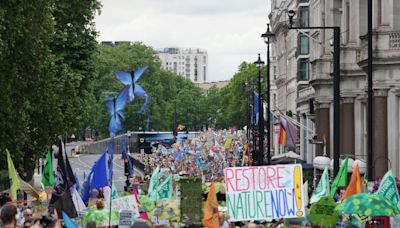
point(81, 165)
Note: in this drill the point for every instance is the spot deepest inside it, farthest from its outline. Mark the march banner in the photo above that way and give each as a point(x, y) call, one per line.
point(388, 189)
point(264, 192)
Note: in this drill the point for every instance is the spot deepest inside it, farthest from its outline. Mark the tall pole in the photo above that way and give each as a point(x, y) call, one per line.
point(268, 108)
point(336, 88)
point(370, 96)
point(174, 128)
point(260, 156)
point(248, 112)
point(336, 99)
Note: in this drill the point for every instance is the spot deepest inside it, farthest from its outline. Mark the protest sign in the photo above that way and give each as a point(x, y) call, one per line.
point(125, 203)
point(388, 189)
point(125, 218)
point(264, 192)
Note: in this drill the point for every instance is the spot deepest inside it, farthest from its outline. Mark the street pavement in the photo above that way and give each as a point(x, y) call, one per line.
point(81, 165)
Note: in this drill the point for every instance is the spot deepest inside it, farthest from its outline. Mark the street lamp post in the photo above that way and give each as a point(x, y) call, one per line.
point(267, 35)
point(370, 128)
point(260, 154)
point(336, 86)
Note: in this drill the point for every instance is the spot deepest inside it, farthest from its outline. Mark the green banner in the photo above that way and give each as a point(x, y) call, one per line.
point(191, 200)
point(388, 189)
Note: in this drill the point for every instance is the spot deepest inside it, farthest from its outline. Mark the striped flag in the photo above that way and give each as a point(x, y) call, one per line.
point(287, 134)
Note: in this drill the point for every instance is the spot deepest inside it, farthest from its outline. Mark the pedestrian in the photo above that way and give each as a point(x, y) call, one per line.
point(27, 213)
point(8, 215)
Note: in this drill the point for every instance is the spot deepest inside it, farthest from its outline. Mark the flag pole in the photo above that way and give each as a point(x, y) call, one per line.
point(111, 182)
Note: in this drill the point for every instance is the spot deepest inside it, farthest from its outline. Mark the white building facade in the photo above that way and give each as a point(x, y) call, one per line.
point(304, 65)
point(190, 63)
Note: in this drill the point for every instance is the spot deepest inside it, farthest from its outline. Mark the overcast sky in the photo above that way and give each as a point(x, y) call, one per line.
point(228, 29)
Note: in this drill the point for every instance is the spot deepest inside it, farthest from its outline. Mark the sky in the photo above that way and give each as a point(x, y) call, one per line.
point(229, 30)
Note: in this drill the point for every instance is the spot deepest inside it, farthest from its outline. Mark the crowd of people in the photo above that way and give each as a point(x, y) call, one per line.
point(205, 155)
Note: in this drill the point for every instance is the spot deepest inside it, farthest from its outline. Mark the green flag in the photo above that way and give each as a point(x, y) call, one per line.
point(14, 178)
point(48, 175)
point(388, 189)
point(341, 178)
point(114, 193)
point(164, 190)
point(152, 192)
point(322, 188)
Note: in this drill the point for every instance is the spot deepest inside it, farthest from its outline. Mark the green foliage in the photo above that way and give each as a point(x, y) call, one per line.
point(45, 63)
point(230, 104)
point(164, 88)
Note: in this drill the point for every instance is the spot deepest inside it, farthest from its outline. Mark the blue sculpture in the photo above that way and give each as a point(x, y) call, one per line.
point(130, 79)
point(116, 107)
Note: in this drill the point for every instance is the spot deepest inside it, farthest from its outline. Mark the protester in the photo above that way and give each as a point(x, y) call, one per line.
point(91, 224)
point(8, 215)
point(205, 156)
point(27, 213)
point(28, 223)
point(140, 225)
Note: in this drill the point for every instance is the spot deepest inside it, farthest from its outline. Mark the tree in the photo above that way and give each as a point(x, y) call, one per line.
point(163, 87)
point(46, 47)
point(230, 107)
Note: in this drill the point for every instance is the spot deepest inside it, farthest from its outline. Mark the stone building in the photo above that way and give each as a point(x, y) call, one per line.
point(304, 82)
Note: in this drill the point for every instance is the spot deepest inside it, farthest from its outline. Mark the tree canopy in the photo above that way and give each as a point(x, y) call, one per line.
point(46, 49)
point(55, 78)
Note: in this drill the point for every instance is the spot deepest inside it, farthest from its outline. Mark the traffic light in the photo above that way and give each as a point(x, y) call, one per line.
point(126, 167)
point(144, 145)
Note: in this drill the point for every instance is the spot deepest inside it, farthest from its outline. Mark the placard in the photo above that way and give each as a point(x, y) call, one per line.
point(127, 203)
point(125, 218)
point(264, 192)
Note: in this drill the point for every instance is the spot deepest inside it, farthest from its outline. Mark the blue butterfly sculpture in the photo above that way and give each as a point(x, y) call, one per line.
point(129, 79)
point(116, 107)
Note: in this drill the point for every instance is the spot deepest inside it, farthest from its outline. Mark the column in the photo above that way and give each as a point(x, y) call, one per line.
point(393, 130)
point(322, 128)
point(347, 127)
point(380, 133)
point(359, 129)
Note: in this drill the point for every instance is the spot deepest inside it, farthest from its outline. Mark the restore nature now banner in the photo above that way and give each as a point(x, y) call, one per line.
point(264, 192)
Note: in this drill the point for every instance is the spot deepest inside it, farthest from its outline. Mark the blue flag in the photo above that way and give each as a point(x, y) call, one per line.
point(86, 185)
point(99, 179)
point(256, 112)
point(186, 150)
point(177, 155)
point(77, 185)
point(68, 222)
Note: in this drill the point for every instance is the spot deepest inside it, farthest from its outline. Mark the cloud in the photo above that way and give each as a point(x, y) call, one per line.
point(228, 29)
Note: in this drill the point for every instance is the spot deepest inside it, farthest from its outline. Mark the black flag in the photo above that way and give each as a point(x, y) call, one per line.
point(61, 199)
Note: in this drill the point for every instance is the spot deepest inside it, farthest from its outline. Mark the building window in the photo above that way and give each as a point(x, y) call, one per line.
point(304, 44)
point(204, 71)
point(304, 16)
point(303, 1)
point(274, 72)
point(304, 70)
point(175, 67)
point(195, 68)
